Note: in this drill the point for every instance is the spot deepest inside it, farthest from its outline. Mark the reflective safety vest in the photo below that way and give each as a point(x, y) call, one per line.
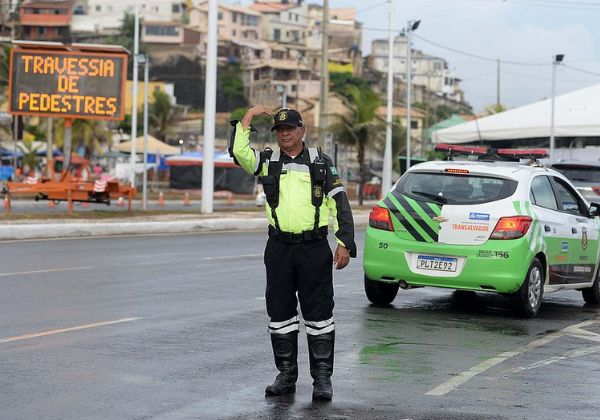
point(270, 182)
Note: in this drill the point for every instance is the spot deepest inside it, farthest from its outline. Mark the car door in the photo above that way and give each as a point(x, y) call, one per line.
point(583, 248)
point(552, 228)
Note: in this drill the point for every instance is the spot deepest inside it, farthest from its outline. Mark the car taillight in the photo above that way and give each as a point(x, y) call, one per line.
point(379, 218)
point(511, 227)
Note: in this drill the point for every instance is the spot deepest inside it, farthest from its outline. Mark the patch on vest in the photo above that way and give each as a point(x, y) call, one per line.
point(318, 191)
point(333, 170)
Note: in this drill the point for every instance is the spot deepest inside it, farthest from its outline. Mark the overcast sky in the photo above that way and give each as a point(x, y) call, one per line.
point(527, 33)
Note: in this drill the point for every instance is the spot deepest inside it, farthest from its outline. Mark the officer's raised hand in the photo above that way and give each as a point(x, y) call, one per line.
point(255, 111)
point(341, 258)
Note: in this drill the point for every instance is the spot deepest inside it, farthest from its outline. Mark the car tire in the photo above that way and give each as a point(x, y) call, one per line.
point(592, 294)
point(528, 299)
point(380, 293)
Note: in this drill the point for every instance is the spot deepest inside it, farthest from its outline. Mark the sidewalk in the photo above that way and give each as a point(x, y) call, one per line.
point(168, 223)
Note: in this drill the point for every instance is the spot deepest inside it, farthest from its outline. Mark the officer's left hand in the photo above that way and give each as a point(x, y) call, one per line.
point(341, 258)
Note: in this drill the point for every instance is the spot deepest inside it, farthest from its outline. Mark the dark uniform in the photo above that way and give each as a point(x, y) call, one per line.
point(302, 193)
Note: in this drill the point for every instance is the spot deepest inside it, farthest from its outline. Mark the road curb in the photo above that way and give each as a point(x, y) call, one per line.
point(90, 229)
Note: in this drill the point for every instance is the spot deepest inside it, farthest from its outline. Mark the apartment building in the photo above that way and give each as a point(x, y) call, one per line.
point(234, 22)
point(45, 20)
point(345, 38)
point(105, 16)
point(283, 21)
point(428, 71)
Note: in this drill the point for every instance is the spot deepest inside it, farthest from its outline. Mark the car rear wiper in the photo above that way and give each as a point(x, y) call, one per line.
point(432, 196)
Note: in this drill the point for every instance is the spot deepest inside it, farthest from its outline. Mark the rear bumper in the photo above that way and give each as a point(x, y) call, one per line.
point(496, 265)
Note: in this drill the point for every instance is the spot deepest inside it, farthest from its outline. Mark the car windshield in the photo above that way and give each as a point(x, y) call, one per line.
point(581, 173)
point(455, 189)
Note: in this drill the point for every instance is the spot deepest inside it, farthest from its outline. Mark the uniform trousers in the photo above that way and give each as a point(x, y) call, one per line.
point(305, 268)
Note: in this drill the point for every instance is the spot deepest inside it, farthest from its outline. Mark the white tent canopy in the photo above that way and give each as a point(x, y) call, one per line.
point(576, 114)
point(155, 147)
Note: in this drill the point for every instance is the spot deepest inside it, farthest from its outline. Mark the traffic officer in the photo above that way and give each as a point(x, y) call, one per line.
point(303, 190)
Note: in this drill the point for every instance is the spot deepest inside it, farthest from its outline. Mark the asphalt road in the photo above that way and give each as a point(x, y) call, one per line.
point(175, 327)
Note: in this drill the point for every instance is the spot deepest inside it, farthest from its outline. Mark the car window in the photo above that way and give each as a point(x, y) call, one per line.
point(568, 201)
point(542, 194)
point(455, 189)
point(575, 173)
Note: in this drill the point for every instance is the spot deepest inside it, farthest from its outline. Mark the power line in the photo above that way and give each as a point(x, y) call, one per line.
point(581, 70)
point(480, 57)
point(549, 4)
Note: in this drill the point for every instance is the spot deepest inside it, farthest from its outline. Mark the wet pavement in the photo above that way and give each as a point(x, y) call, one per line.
point(174, 327)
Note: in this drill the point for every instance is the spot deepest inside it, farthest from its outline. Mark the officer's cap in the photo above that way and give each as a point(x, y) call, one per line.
point(286, 116)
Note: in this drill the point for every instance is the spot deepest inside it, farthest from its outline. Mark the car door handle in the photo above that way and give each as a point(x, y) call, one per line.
point(573, 230)
point(547, 228)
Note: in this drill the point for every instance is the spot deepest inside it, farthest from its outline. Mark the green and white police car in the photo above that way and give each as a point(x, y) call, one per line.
point(520, 230)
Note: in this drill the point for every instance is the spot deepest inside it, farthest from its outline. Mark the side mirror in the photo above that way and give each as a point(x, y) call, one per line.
point(594, 209)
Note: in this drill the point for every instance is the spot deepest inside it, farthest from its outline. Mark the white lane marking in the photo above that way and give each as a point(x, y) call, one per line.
point(550, 360)
point(231, 257)
point(49, 270)
point(463, 377)
point(64, 330)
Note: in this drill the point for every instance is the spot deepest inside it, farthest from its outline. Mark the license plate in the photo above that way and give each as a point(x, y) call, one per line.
point(429, 262)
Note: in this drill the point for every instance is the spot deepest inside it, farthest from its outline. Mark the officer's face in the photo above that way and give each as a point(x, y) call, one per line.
point(290, 138)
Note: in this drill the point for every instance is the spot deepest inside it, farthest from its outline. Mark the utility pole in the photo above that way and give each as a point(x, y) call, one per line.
point(146, 59)
point(498, 85)
point(324, 72)
point(556, 60)
point(49, 147)
point(136, 50)
point(210, 108)
point(386, 181)
point(410, 27)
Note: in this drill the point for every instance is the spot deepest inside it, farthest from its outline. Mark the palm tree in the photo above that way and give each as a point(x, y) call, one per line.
point(162, 115)
point(30, 150)
point(360, 127)
point(93, 135)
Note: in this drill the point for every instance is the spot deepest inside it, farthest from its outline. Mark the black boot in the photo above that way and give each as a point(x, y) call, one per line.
point(320, 350)
point(285, 350)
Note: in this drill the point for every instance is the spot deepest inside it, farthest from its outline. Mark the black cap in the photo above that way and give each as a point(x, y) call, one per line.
point(286, 116)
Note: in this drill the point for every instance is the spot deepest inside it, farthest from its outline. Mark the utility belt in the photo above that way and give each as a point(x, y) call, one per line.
point(296, 238)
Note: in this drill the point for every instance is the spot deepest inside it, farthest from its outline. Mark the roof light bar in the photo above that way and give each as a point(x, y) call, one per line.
point(467, 150)
point(523, 153)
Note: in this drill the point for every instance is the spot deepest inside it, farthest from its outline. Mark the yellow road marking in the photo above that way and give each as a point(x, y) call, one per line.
point(64, 330)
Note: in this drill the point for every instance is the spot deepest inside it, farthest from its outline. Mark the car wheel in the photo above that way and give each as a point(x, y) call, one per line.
point(528, 298)
point(592, 294)
point(380, 293)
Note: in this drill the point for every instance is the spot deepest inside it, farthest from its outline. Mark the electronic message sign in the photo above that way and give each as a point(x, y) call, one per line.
point(67, 84)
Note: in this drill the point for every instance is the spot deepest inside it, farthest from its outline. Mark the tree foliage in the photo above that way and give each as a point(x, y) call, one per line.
point(91, 135)
point(30, 150)
point(162, 116)
point(342, 82)
point(361, 128)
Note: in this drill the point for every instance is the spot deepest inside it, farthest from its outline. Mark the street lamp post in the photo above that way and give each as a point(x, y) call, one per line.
point(282, 89)
point(136, 49)
point(144, 59)
point(386, 179)
point(411, 26)
point(556, 60)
